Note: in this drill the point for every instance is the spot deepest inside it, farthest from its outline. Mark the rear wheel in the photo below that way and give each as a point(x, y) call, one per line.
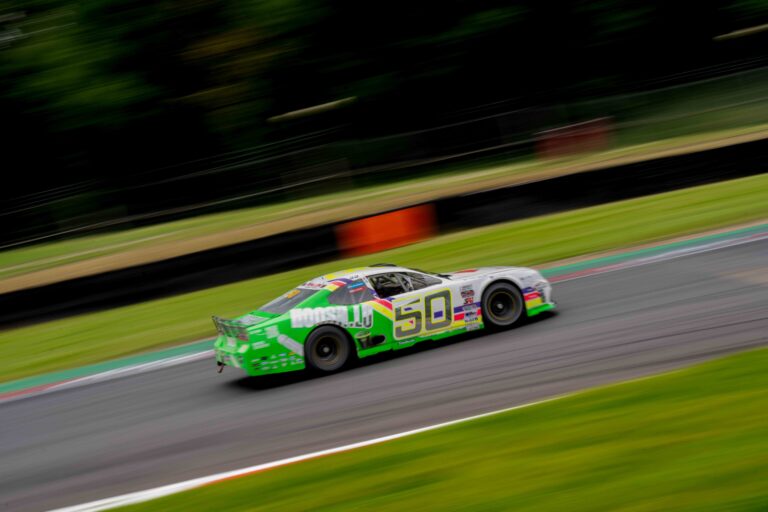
point(502, 306)
point(327, 349)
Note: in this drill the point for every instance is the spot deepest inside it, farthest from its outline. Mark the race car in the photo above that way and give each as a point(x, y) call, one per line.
point(326, 322)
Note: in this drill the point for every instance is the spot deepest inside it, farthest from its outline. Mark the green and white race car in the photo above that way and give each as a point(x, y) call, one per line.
point(324, 323)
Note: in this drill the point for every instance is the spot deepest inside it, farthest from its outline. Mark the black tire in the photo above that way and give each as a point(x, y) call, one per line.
point(503, 306)
point(327, 349)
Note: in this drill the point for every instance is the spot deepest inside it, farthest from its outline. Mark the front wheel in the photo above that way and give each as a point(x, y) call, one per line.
point(327, 349)
point(502, 305)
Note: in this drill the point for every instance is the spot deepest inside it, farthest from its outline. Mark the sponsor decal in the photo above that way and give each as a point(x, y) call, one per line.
point(468, 294)
point(250, 319)
point(314, 284)
point(357, 316)
point(470, 314)
point(260, 344)
point(272, 332)
point(291, 294)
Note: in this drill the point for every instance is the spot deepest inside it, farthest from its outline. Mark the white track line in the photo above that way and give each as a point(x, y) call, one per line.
point(113, 374)
point(132, 370)
point(166, 490)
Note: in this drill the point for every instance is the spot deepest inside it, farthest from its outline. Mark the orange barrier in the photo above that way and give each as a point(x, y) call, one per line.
point(592, 135)
point(386, 231)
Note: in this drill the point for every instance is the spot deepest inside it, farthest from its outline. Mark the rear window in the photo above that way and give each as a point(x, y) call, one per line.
point(287, 301)
point(353, 293)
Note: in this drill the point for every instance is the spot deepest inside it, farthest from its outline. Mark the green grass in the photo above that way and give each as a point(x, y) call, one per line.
point(25, 260)
point(692, 440)
point(95, 337)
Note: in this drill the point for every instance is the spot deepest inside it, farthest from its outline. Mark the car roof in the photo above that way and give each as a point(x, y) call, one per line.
point(336, 279)
point(351, 273)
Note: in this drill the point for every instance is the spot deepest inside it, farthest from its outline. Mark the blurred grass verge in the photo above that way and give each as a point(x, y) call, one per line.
point(95, 337)
point(695, 439)
point(55, 261)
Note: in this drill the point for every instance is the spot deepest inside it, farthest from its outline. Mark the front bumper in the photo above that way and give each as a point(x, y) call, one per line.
point(538, 298)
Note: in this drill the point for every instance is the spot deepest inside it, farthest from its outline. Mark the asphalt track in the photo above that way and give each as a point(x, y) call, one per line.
point(132, 433)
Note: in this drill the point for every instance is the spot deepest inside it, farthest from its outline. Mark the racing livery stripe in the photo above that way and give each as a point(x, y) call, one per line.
point(382, 308)
point(387, 304)
point(460, 309)
point(460, 316)
point(291, 344)
point(336, 284)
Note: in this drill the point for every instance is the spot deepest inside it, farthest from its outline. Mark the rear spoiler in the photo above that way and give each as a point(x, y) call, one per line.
point(231, 329)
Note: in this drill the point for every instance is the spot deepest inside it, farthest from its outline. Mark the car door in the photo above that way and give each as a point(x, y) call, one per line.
point(422, 305)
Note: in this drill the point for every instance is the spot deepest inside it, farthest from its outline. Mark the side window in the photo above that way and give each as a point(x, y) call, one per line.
point(387, 285)
point(419, 281)
point(353, 293)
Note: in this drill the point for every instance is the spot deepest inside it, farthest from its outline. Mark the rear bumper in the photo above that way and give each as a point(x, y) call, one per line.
point(261, 361)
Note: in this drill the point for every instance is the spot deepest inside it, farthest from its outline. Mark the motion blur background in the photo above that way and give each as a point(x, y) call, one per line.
point(165, 161)
point(122, 113)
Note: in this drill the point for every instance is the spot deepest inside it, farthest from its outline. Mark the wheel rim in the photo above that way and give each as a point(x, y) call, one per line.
point(502, 306)
point(327, 350)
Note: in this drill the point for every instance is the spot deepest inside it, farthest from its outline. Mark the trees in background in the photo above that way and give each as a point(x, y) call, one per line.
point(105, 95)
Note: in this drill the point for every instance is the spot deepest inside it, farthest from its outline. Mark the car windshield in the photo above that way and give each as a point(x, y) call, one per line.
point(287, 301)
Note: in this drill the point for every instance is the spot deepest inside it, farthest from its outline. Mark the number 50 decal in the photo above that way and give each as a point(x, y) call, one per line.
point(421, 315)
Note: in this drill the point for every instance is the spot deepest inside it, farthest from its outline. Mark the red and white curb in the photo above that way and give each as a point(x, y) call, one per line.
point(167, 490)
